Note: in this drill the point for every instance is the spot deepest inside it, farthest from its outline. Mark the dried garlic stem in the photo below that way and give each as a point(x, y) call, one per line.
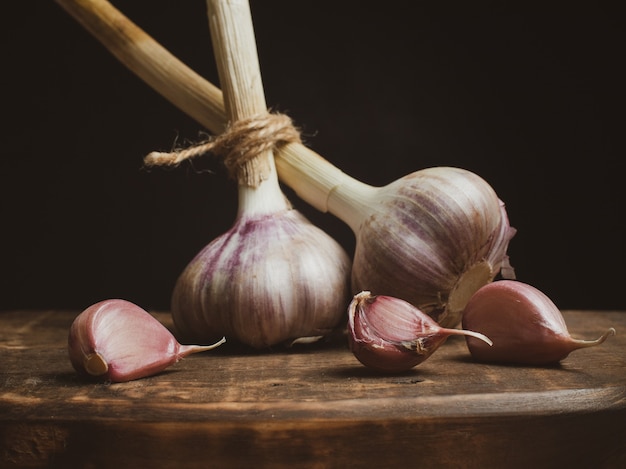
point(151, 62)
point(311, 176)
point(234, 45)
point(238, 66)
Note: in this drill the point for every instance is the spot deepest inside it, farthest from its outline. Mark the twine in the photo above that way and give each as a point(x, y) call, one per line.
point(241, 143)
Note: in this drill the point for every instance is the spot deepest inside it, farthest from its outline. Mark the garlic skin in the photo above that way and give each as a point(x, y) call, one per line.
point(390, 335)
point(524, 323)
point(432, 238)
point(270, 279)
point(117, 341)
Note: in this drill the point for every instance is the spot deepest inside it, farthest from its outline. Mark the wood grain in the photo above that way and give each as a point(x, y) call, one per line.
point(311, 406)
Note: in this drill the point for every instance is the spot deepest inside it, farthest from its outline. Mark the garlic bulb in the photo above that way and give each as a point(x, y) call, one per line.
point(273, 277)
point(116, 340)
point(432, 238)
point(270, 279)
point(390, 335)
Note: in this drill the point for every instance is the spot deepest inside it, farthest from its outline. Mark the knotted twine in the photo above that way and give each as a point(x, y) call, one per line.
point(240, 143)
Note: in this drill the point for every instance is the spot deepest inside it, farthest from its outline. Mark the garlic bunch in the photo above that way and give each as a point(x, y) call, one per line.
point(432, 238)
point(390, 335)
point(116, 340)
point(524, 323)
point(273, 277)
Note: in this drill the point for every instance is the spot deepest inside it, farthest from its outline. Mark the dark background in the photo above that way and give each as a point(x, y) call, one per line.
point(527, 98)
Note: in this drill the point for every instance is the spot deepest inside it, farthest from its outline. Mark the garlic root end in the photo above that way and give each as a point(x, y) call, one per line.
point(95, 364)
point(305, 340)
point(469, 282)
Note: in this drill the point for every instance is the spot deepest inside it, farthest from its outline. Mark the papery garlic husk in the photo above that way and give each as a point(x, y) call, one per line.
point(391, 335)
point(524, 323)
point(116, 340)
point(270, 279)
point(432, 238)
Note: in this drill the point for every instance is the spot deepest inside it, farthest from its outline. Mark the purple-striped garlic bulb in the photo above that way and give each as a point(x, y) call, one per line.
point(274, 277)
point(271, 279)
point(432, 238)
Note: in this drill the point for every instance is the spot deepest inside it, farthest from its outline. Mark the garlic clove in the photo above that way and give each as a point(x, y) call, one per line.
point(524, 323)
point(391, 335)
point(116, 340)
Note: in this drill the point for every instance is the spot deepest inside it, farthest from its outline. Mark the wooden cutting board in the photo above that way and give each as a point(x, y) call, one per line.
point(312, 406)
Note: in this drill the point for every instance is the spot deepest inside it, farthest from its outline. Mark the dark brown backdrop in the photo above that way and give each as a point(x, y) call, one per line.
point(529, 99)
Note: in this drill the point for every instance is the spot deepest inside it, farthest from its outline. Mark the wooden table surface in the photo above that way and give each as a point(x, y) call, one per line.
point(312, 406)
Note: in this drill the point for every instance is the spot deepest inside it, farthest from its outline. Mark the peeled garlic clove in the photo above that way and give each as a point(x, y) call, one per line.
point(116, 340)
point(525, 325)
point(391, 335)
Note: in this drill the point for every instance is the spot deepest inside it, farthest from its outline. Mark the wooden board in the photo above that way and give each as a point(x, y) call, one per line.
point(312, 406)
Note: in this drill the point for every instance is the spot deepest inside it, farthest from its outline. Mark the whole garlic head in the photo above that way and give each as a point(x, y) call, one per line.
point(432, 238)
point(270, 279)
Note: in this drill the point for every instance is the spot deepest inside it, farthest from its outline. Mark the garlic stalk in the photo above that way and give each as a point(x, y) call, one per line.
point(437, 235)
point(273, 277)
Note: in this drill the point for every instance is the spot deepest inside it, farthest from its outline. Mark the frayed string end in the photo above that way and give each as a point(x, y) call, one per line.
point(241, 142)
